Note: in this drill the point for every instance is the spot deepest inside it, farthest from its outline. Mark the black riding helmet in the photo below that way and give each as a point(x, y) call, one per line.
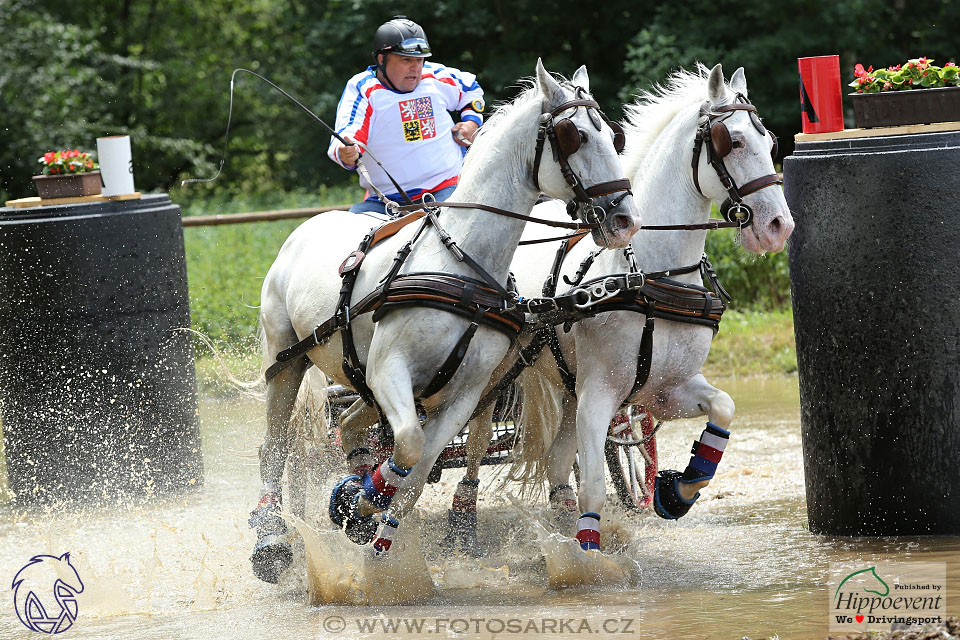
point(403, 37)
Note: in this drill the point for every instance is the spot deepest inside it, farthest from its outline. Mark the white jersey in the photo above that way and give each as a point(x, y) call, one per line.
point(409, 132)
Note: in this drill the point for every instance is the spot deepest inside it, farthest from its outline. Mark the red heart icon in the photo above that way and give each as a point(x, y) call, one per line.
point(859, 618)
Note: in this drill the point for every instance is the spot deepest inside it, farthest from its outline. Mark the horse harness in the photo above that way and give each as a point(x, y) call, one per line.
point(482, 300)
point(653, 294)
point(713, 135)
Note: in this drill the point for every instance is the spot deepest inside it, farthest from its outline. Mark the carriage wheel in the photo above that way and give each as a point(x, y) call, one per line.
point(631, 460)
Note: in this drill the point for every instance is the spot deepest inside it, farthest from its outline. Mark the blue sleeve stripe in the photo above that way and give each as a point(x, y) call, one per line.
point(472, 118)
point(356, 103)
point(437, 68)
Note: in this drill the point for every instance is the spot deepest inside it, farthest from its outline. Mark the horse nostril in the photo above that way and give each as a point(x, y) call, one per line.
point(775, 225)
point(619, 222)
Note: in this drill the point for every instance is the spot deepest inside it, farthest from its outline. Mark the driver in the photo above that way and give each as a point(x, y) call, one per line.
point(399, 109)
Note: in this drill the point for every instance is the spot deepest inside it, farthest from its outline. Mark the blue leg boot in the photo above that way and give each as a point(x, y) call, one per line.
point(343, 511)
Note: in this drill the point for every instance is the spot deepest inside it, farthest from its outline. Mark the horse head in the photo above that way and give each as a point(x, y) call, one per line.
point(735, 142)
point(38, 583)
point(577, 159)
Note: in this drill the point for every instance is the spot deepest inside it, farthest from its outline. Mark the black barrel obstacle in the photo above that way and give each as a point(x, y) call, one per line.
point(96, 372)
point(875, 274)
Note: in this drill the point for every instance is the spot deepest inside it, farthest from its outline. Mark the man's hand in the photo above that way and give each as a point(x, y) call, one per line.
point(349, 153)
point(463, 132)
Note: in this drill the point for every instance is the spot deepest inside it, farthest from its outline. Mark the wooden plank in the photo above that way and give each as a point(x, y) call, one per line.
point(258, 216)
point(878, 131)
point(23, 203)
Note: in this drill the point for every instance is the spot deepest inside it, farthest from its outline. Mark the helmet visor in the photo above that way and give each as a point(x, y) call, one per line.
point(413, 47)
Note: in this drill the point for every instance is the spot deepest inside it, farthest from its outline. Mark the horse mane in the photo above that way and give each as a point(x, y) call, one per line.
point(651, 112)
point(505, 115)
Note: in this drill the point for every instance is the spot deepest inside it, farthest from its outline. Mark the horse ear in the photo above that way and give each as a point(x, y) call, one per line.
point(549, 87)
point(581, 78)
point(716, 92)
point(738, 81)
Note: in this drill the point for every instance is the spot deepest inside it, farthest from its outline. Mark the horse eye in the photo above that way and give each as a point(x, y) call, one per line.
point(736, 144)
point(583, 138)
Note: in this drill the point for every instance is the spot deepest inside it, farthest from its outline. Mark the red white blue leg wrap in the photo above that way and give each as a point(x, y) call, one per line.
point(588, 531)
point(388, 529)
point(707, 452)
point(380, 487)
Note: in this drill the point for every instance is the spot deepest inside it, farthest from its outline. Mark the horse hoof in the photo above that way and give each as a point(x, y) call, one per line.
point(462, 534)
point(272, 553)
point(667, 501)
point(342, 498)
point(343, 511)
point(271, 557)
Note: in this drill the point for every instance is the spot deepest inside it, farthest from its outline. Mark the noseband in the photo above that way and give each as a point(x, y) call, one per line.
point(713, 135)
point(565, 140)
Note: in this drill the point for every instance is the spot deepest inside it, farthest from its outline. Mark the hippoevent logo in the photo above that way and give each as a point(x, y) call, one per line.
point(879, 595)
point(45, 594)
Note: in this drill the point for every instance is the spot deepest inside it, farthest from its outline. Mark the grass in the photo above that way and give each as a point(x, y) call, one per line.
point(753, 343)
point(226, 264)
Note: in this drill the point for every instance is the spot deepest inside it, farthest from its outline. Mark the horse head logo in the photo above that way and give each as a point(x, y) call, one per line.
point(46, 580)
point(869, 581)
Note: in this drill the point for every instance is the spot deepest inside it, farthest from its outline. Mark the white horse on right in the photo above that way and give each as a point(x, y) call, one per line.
point(672, 186)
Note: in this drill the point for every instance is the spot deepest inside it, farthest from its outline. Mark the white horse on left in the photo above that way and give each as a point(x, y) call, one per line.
point(403, 351)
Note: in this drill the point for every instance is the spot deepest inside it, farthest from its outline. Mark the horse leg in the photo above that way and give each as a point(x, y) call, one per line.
point(560, 457)
point(595, 410)
point(354, 499)
point(444, 426)
point(462, 516)
point(676, 492)
point(272, 553)
point(355, 425)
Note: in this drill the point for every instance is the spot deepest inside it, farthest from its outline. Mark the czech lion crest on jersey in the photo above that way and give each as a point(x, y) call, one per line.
point(418, 120)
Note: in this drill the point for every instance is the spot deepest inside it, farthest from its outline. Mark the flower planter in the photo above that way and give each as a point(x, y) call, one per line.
point(916, 106)
point(68, 186)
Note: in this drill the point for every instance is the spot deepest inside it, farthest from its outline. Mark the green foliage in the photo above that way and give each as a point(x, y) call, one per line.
point(767, 40)
point(753, 281)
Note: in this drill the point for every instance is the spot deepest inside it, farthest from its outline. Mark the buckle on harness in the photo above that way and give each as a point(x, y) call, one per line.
point(598, 292)
point(635, 281)
point(545, 305)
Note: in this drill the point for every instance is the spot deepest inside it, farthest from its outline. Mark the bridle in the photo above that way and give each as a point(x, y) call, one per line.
point(565, 140)
point(713, 135)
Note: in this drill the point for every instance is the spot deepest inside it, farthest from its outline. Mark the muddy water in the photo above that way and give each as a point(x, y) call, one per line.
point(740, 564)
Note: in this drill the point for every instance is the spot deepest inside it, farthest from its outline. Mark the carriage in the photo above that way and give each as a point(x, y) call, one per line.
point(630, 450)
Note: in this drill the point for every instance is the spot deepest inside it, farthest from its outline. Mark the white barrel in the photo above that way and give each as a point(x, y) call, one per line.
point(116, 165)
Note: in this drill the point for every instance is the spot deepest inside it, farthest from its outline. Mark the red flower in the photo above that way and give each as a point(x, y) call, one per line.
point(887, 86)
point(895, 67)
point(870, 68)
point(49, 157)
point(909, 80)
point(858, 70)
point(949, 64)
